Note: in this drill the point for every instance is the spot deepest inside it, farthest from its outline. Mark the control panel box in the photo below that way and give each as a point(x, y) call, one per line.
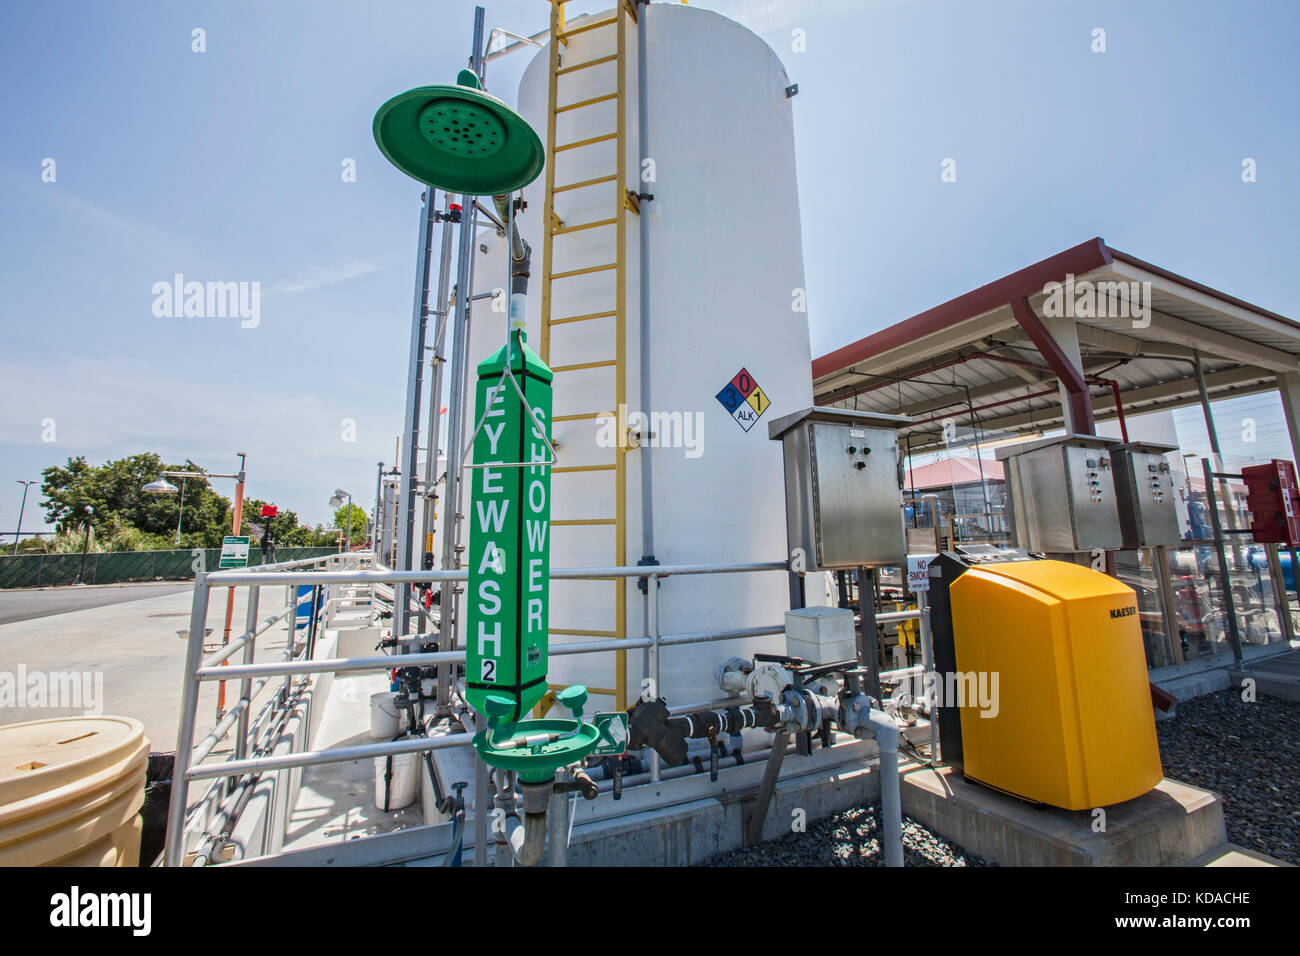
point(820, 635)
point(1062, 494)
point(1274, 502)
point(843, 488)
point(1144, 486)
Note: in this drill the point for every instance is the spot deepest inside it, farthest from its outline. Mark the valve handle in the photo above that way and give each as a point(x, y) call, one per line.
point(574, 699)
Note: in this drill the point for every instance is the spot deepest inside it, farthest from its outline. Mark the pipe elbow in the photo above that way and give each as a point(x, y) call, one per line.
point(528, 839)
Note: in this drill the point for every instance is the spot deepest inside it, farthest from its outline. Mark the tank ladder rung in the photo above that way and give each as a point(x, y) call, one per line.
point(565, 230)
point(591, 102)
point(581, 522)
point(585, 270)
point(585, 317)
point(586, 142)
point(586, 64)
point(584, 184)
point(582, 366)
point(564, 35)
point(568, 469)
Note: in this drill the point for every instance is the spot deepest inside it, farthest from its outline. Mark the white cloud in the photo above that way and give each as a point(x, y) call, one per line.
point(317, 277)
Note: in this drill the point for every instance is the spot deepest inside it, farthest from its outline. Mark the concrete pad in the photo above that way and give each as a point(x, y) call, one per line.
point(681, 835)
point(134, 649)
point(1170, 826)
point(1232, 855)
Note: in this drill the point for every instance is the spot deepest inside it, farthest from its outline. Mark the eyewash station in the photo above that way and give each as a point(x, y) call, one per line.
point(643, 627)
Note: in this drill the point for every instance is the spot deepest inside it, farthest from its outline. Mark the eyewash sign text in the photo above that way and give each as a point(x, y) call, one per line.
point(509, 546)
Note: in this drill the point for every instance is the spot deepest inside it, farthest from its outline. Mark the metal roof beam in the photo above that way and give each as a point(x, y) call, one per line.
point(1222, 344)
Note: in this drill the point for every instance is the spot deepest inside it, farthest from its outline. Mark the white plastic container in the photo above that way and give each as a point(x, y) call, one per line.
point(401, 789)
point(385, 718)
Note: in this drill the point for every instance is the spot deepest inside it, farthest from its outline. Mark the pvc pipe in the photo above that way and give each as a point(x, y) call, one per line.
point(885, 730)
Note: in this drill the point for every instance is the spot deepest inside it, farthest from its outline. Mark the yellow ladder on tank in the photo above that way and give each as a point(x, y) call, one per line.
point(557, 229)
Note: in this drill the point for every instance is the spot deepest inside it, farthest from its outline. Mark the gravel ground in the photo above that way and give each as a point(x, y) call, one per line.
point(1248, 753)
point(850, 838)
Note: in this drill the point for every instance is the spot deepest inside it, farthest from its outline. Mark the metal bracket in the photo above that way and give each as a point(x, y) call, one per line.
point(532, 416)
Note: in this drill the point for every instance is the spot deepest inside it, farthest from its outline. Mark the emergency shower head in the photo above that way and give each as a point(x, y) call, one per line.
point(459, 138)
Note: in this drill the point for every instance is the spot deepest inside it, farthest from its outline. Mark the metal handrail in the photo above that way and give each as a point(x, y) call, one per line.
point(199, 670)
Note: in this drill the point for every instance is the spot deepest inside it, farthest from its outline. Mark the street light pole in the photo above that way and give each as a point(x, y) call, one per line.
point(337, 501)
point(21, 508)
point(180, 515)
point(85, 545)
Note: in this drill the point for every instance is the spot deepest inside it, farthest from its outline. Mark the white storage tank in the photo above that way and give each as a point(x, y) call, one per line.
point(726, 303)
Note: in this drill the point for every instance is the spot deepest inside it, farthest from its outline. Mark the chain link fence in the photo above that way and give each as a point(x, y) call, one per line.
point(119, 567)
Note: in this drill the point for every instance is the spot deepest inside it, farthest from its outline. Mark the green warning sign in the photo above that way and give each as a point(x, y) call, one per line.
point(509, 544)
point(234, 551)
point(613, 734)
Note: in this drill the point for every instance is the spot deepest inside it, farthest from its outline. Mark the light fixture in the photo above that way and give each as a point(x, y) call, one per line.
point(160, 487)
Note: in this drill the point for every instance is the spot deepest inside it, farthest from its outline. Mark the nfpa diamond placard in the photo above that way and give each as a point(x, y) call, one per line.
point(744, 400)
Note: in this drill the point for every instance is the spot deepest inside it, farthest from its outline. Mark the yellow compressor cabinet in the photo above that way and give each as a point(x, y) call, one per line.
point(1069, 721)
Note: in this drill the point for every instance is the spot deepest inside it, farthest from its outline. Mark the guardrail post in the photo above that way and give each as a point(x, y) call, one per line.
point(246, 685)
point(652, 610)
point(174, 853)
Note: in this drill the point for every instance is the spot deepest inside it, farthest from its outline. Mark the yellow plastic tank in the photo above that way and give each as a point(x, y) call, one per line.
point(71, 789)
point(1067, 720)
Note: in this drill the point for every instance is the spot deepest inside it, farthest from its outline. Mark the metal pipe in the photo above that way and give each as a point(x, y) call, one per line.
point(927, 659)
point(174, 850)
point(234, 578)
point(414, 388)
point(643, 292)
point(459, 364)
point(311, 758)
point(652, 612)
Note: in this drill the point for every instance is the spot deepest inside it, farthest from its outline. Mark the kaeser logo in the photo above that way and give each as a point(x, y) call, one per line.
point(77, 909)
point(1123, 612)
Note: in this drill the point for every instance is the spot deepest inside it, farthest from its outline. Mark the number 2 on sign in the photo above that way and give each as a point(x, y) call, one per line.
point(489, 672)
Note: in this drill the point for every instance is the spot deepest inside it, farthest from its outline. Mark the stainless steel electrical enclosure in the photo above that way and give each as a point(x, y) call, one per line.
point(1144, 488)
point(1062, 494)
point(843, 487)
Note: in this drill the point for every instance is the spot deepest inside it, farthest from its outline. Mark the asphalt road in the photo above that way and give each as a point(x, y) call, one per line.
point(26, 605)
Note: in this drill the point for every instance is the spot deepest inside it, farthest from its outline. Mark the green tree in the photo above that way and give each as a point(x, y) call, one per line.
point(360, 523)
point(126, 518)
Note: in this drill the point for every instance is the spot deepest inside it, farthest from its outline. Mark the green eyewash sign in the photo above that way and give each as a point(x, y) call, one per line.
point(509, 539)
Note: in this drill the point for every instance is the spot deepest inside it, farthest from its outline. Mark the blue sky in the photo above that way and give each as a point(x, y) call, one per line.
point(225, 166)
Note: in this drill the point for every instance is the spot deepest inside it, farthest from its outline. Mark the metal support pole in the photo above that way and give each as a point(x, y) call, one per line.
point(434, 432)
point(481, 809)
point(374, 528)
point(643, 301)
point(1168, 603)
point(456, 407)
point(246, 685)
point(1224, 490)
point(757, 816)
point(1280, 597)
point(868, 635)
point(557, 829)
point(927, 659)
point(1229, 606)
point(411, 428)
point(652, 671)
point(174, 854)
